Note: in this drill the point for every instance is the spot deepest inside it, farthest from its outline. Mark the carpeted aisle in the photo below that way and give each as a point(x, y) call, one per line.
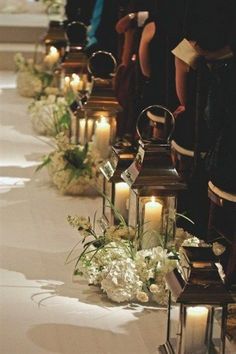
point(42, 310)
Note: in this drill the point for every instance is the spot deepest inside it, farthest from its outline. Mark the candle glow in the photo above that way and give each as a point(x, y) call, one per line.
point(122, 192)
point(152, 222)
point(102, 136)
point(52, 57)
point(195, 329)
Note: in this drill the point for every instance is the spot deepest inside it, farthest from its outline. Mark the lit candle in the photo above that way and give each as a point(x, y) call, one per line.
point(102, 137)
point(195, 330)
point(152, 223)
point(122, 192)
point(76, 83)
point(89, 129)
point(52, 57)
point(66, 85)
point(82, 125)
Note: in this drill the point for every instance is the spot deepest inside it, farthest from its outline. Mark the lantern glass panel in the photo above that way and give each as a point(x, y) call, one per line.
point(157, 215)
point(77, 85)
point(99, 127)
point(118, 193)
point(195, 329)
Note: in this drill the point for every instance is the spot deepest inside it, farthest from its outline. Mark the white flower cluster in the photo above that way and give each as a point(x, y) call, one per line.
point(28, 84)
point(46, 114)
point(124, 278)
point(62, 176)
point(114, 233)
point(34, 78)
point(121, 282)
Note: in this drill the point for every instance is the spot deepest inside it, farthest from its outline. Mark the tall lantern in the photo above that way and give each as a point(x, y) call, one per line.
point(197, 316)
point(153, 179)
point(115, 190)
point(101, 108)
point(74, 73)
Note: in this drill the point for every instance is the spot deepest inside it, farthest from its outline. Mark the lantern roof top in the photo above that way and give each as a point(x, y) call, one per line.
point(197, 280)
point(153, 169)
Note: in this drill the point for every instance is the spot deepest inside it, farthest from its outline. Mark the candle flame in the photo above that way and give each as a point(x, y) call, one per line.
point(75, 77)
point(53, 50)
point(153, 199)
point(103, 119)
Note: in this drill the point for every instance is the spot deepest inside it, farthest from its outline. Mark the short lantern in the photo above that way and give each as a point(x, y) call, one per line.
point(197, 310)
point(115, 190)
point(153, 180)
point(56, 37)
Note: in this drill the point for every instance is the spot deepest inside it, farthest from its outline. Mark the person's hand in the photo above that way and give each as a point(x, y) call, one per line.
point(180, 109)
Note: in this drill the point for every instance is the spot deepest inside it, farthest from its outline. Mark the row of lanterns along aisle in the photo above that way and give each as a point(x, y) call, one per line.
point(142, 184)
point(87, 82)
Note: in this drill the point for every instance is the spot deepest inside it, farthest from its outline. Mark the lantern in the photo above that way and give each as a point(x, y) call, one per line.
point(115, 190)
point(56, 37)
point(74, 73)
point(153, 179)
point(197, 318)
point(101, 107)
point(97, 107)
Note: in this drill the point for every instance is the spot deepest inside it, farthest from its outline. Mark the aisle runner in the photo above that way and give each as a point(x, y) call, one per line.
point(42, 310)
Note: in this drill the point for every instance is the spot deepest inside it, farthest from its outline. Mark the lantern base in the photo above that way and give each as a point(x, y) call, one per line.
point(165, 349)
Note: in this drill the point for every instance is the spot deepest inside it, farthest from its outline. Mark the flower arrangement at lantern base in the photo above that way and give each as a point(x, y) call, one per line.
point(50, 115)
point(33, 79)
point(73, 169)
point(110, 260)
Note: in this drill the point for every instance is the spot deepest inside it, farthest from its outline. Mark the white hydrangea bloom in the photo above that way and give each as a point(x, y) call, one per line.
point(121, 282)
point(28, 85)
point(46, 113)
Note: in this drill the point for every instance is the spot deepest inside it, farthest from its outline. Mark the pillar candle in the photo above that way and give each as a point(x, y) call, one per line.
point(66, 85)
point(152, 223)
point(52, 57)
point(102, 137)
point(76, 83)
point(90, 123)
point(195, 330)
point(82, 125)
point(122, 192)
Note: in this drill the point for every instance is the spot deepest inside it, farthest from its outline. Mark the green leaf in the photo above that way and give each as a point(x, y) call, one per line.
point(185, 217)
point(64, 121)
point(45, 162)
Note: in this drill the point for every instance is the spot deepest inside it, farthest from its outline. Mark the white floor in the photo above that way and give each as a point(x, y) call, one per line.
point(42, 310)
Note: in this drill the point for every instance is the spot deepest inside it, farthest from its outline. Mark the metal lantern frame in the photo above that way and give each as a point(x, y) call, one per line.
point(152, 175)
point(94, 105)
point(121, 158)
point(74, 61)
point(202, 297)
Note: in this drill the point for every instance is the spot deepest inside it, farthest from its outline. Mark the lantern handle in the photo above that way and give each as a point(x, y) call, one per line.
point(156, 119)
point(97, 54)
